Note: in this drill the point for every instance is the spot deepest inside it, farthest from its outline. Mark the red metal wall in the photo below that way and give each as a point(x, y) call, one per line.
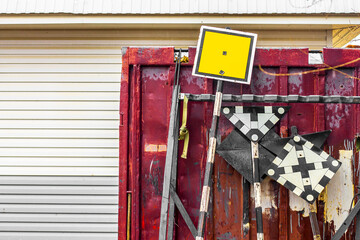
point(146, 86)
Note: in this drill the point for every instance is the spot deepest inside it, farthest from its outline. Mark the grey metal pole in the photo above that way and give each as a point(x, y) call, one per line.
point(171, 219)
point(171, 142)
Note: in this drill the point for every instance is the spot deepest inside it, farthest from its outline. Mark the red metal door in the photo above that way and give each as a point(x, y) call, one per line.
point(146, 87)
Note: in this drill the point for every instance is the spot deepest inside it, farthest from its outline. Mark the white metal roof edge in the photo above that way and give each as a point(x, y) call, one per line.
point(81, 7)
point(179, 20)
point(184, 14)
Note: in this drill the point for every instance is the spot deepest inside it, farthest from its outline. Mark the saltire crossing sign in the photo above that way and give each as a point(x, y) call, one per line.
point(300, 165)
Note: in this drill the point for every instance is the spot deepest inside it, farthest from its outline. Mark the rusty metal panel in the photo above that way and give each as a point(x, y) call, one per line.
point(150, 77)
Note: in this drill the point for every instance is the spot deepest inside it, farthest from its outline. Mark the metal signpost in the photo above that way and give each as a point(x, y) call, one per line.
point(225, 55)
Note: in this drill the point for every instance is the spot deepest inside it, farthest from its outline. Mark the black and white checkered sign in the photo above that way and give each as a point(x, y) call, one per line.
point(254, 122)
point(303, 168)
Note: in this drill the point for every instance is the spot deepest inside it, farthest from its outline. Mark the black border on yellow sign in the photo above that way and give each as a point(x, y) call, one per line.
point(220, 77)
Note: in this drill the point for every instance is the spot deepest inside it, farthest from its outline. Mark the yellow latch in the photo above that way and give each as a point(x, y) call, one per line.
point(184, 132)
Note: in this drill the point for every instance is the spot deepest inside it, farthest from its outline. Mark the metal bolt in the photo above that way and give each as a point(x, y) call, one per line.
point(281, 110)
point(254, 137)
point(271, 172)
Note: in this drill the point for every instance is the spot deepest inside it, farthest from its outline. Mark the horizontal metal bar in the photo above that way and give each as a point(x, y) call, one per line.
point(275, 98)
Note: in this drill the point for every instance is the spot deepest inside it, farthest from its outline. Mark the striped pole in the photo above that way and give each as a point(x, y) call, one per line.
point(205, 195)
point(257, 189)
point(246, 206)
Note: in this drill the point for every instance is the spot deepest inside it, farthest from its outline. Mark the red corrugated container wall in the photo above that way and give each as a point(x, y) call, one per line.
point(146, 87)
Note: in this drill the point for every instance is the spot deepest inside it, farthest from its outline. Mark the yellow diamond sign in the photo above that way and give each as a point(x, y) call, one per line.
point(225, 54)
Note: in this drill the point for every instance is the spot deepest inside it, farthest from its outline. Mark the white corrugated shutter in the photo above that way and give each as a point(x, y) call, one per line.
point(59, 112)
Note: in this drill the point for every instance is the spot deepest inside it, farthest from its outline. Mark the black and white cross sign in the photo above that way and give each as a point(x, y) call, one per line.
point(300, 165)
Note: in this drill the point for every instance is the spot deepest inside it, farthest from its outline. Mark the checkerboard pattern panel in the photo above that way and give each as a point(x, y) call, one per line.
point(254, 122)
point(303, 168)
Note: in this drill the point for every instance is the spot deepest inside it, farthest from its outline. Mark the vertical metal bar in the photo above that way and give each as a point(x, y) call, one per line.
point(169, 155)
point(170, 228)
point(313, 221)
point(134, 157)
point(205, 195)
point(246, 206)
point(257, 190)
